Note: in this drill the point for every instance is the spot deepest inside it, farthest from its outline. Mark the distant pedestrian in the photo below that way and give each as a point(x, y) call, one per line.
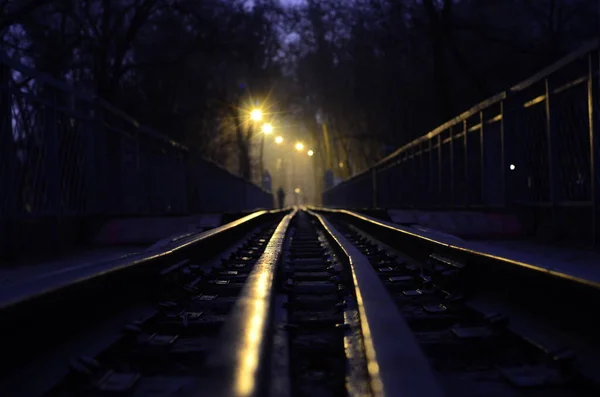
point(280, 196)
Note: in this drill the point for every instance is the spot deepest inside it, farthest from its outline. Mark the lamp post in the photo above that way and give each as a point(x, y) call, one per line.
point(267, 129)
point(256, 115)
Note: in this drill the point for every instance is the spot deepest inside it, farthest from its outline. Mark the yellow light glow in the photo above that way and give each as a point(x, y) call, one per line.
point(297, 190)
point(245, 382)
point(310, 153)
point(254, 307)
point(267, 128)
point(341, 164)
point(256, 114)
point(299, 146)
point(278, 140)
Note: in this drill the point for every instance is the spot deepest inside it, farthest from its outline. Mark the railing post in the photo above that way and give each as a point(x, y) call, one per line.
point(452, 173)
point(92, 180)
point(482, 167)
point(8, 189)
point(553, 179)
point(594, 136)
point(374, 185)
point(512, 151)
point(409, 179)
point(52, 162)
point(507, 188)
point(181, 162)
point(422, 173)
point(431, 191)
point(440, 170)
point(467, 157)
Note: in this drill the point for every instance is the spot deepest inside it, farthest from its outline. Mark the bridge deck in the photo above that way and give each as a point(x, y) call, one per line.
point(574, 262)
point(118, 239)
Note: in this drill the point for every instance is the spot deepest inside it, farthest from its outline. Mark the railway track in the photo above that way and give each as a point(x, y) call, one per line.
point(300, 304)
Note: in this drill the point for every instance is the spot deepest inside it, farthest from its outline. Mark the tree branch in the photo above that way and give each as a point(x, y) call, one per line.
point(22, 12)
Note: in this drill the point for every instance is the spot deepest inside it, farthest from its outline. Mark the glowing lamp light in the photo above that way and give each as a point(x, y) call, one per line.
point(256, 114)
point(299, 146)
point(297, 190)
point(267, 128)
point(310, 153)
point(512, 167)
point(279, 140)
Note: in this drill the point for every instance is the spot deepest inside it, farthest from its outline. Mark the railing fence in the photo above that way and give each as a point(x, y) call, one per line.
point(533, 145)
point(65, 154)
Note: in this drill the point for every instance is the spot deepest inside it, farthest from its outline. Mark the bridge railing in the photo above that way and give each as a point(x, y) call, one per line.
point(63, 153)
point(535, 144)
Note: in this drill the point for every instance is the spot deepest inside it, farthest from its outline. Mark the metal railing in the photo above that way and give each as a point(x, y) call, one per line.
point(535, 144)
point(64, 154)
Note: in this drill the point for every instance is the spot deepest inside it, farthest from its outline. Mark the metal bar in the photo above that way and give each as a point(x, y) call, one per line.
point(581, 52)
point(452, 173)
point(53, 162)
point(505, 188)
point(474, 128)
point(421, 154)
point(571, 84)
point(467, 187)
point(236, 365)
point(374, 186)
point(535, 101)
point(495, 118)
point(431, 189)
point(8, 192)
point(476, 252)
point(395, 361)
point(552, 145)
point(440, 168)
point(482, 167)
point(594, 137)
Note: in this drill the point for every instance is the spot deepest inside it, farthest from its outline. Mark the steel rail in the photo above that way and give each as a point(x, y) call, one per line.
point(395, 361)
point(55, 308)
point(236, 366)
point(38, 289)
point(556, 298)
point(458, 248)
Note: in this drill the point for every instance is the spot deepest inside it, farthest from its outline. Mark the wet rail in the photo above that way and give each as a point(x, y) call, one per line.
point(299, 303)
point(488, 326)
point(50, 322)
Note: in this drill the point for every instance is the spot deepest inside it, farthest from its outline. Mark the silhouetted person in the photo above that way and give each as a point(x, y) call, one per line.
point(280, 196)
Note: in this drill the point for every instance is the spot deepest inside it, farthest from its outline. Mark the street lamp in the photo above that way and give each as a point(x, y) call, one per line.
point(279, 140)
point(256, 115)
point(267, 128)
point(310, 153)
point(299, 146)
